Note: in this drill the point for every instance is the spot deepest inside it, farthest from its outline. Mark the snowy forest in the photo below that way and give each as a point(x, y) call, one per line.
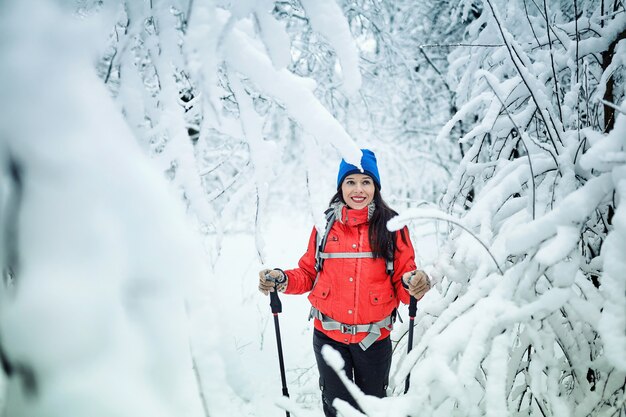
point(155, 154)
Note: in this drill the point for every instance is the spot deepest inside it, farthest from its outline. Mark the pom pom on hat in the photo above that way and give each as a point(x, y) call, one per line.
point(368, 162)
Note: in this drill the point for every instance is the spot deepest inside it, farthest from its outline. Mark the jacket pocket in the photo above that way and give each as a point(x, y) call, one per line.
point(382, 297)
point(332, 241)
point(382, 302)
point(320, 291)
point(319, 298)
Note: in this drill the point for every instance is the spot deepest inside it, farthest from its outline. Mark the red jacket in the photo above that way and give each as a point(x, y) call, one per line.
point(352, 290)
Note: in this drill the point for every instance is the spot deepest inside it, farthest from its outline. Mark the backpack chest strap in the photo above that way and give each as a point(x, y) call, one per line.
point(352, 255)
point(345, 255)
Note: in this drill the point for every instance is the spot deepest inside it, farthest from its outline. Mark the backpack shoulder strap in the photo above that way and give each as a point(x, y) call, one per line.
point(321, 240)
point(390, 268)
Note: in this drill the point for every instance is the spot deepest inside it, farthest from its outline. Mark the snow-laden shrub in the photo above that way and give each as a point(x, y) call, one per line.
point(530, 313)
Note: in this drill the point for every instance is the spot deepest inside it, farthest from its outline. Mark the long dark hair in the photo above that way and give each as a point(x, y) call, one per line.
point(382, 241)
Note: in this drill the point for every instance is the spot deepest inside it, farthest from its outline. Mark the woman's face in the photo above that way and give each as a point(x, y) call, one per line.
point(357, 190)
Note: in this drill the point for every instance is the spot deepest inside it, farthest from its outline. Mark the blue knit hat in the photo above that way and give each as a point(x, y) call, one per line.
point(368, 162)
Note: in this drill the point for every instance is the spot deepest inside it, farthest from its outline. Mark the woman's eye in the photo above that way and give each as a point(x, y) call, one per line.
point(366, 182)
point(350, 182)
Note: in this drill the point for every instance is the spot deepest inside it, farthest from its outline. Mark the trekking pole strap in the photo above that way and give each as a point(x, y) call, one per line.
point(373, 329)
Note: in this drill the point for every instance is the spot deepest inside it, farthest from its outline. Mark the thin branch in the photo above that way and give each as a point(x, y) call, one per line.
point(10, 255)
point(540, 407)
point(189, 8)
point(454, 45)
point(531, 24)
point(556, 82)
point(257, 226)
point(215, 195)
point(612, 105)
point(450, 219)
point(577, 75)
point(550, 27)
point(432, 64)
point(196, 370)
point(581, 146)
point(577, 41)
point(110, 68)
point(513, 53)
point(521, 138)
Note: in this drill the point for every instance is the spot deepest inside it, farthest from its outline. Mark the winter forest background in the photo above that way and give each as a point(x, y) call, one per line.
point(155, 154)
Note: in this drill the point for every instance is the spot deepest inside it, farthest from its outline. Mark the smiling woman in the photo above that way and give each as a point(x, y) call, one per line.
point(358, 191)
point(359, 186)
point(357, 274)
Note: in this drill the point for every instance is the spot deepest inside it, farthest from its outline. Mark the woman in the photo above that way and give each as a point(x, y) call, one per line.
point(356, 279)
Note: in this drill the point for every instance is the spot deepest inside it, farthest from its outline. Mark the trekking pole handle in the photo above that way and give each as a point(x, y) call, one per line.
point(413, 307)
point(275, 303)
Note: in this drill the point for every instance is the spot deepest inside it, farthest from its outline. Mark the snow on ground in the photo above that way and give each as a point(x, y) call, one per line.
point(248, 323)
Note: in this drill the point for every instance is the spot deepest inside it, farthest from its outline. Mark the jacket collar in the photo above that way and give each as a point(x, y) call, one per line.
point(352, 217)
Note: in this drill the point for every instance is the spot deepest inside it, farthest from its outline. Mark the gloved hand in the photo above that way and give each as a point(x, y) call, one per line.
point(271, 280)
point(417, 283)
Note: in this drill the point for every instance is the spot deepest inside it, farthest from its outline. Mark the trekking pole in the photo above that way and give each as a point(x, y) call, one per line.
point(412, 314)
point(277, 307)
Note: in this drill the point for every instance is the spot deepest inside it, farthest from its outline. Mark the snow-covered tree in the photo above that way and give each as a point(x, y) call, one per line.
point(97, 254)
point(506, 115)
point(530, 314)
point(105, 283)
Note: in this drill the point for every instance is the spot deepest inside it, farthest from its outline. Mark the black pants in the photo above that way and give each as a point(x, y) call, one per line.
point(369, 369)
